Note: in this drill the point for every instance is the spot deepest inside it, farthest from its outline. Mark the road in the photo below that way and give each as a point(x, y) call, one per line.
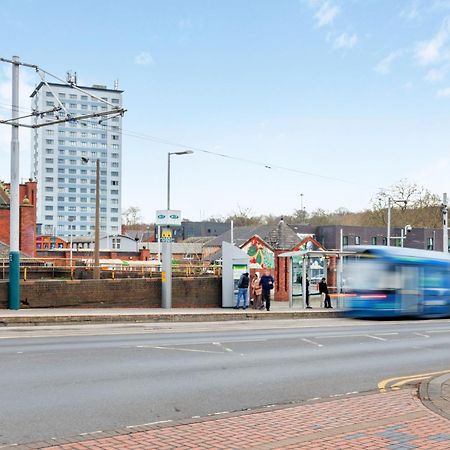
point(64, 381)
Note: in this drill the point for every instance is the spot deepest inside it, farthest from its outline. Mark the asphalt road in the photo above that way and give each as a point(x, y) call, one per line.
point(60, 382)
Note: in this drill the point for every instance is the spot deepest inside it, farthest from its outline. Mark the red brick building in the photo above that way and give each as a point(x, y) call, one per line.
point(27, 196)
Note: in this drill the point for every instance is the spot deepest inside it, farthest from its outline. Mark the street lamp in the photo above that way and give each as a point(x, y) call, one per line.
point(186, 152)
point(166, 248)
point(96, 273)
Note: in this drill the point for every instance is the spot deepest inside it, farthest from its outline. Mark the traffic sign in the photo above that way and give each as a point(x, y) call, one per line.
point(168, 217)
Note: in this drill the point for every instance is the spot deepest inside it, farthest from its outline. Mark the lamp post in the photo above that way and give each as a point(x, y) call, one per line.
point(166, 247)
point(96, 272)
point(186, 152)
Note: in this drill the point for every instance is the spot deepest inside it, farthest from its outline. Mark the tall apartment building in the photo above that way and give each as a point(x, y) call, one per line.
point(65, 183)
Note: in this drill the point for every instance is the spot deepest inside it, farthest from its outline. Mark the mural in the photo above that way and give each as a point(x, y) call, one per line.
point(261, 257)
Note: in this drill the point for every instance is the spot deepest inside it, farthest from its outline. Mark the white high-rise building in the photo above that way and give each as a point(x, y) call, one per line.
point(66, 183)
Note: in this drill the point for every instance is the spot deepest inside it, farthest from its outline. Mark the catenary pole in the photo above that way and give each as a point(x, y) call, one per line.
point(97, 222)
point(445, 223)
point(14, 229)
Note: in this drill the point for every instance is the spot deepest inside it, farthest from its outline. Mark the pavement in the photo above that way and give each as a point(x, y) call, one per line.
point(398, 419)
point(59, 316)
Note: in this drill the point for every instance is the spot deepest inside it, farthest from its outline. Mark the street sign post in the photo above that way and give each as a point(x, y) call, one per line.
point(167, 219)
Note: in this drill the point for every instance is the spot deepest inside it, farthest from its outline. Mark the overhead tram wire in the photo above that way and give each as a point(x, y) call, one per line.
point(143, 136)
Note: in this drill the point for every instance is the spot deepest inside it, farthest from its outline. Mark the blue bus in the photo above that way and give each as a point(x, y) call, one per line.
point(396, 282)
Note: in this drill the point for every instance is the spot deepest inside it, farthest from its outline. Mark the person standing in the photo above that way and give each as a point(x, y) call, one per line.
point(267, 284)
point(257, 291)
point(242, 290)
point(323, 290)
point(307, 293)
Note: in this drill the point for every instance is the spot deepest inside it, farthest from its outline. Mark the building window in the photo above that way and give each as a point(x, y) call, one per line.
point(48, 198)
point(48, 217)
point(374, 240)
point(357, 240)
point(344, 240)
point(114, 183)
point(430, 243)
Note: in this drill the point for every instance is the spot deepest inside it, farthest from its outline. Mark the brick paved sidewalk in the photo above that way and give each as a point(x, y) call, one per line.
point(394, 420)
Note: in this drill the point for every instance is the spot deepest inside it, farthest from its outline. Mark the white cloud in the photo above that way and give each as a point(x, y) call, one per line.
point(436, 75)
point(345, 40)
point(326, 13)
point(444, 92)
point(143, 59)
point(435, 49)
point(408, 85)
point(411, 12)
point(384, 66)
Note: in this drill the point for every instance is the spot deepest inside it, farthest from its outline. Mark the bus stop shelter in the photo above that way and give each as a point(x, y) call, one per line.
point(306, 256)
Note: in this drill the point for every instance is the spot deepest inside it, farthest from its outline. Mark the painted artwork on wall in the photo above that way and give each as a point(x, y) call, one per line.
point(261, 257)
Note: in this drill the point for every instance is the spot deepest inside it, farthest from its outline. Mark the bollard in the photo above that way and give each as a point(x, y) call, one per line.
point(112, 275)
point(24, 274)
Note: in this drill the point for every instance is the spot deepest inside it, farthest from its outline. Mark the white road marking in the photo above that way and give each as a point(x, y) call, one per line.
point(221, 412)
point(376, 337)
point(438, 331)
point(88, 433)
point(354, 335)
point(227, 349)
point(311, 342)
point(422, 334)
point(149, 423)
point(179, 349)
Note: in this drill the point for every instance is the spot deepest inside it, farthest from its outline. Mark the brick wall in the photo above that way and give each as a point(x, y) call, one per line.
point(125, 293)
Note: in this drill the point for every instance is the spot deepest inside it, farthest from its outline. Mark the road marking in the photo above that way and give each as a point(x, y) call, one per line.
point(383, 383)
point(438, 331)
point(355, 335)
point(227, 349)
point(311, 342)
point(88, 433)
point(149, 423)
point(376, 337)
point(396, 386)
point(422, 334)
point(157, 347)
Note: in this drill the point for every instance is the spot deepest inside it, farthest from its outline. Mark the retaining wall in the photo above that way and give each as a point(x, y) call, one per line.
point(205, 292)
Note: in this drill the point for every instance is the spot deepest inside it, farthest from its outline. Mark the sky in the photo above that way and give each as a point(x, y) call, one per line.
point(332, 99)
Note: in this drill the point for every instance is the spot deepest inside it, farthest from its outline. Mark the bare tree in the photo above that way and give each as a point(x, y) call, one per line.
point(132, 215)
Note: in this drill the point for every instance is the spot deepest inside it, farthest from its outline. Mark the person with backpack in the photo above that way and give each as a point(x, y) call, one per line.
point(243, 283)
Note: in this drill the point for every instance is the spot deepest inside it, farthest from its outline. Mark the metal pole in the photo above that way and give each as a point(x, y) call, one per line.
point(71, 244)
point(97, 222)
point(232, 232)
point(402, 237)
point(389, 223)
point(304, 282)
point(159, 243)
point(14, 230)
point(168, 181)
point(166, 275)
point(291, 282)
point(445, 223)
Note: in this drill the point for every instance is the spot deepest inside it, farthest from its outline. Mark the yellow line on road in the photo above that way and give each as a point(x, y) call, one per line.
point(383, 383)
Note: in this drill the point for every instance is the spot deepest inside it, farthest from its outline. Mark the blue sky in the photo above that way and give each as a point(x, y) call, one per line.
point(354, 90)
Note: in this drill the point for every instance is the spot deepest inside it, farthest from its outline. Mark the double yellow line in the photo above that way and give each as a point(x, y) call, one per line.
point(394, 384)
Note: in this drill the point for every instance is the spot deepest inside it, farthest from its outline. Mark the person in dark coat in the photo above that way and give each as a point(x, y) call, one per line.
point(307, 293)
point(243, 283)
point(323, 290)
point(267, 284)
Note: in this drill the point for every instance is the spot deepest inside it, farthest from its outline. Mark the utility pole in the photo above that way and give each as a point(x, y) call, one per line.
point(445, 223)
point(96, 273)
point(14, 211)
point(15, 123)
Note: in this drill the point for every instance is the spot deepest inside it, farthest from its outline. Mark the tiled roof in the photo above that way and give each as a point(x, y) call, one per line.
point(279, 237)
